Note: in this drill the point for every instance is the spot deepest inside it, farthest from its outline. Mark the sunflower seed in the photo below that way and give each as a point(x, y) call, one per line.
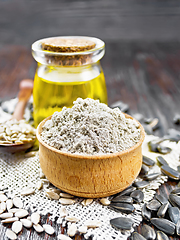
point(161, 236)
point(17, 202)
point(124, 198)
point(72, 219)
point(29, 154)
point(3, 198)
point(170, 172)
point(82, 229)
point(39, 185)
point(161, 161)
point(45, 181)
point(48, 229)
point(52, 195)
point(6, 215)
point(9, 203)
point(63, 212)
point(151, 176)
point(137, 195)
point(146, 213)
point(93, 224)
point(8, 132)
point(10, 234)
point(148, 232)
point(174, 214)
point(122, 207)
point(153, 205)
point(3, 207)
point(126, 191)
point(14, 210)
point(35, 217)
point(163, 149)
point(66, 201)
point(1, 211)
point(154, 123)
point(58, 191)
point(22, 213)
point(63, 237)
point(162, 210)
point(178, 227)
point(27, 191)
point(105, 201)
point(66, 195)
point(122, 223)
point(17, 226)
point(162, 199)
point(26, 223)
point(72, 230)
point(5, 142)
point(164, 225)
point(38, 228)
point(18, 142)
point(174, 200)
point(148, 161)
point(141, 184)
point(87, 201)
point(137, 236)
point(144, 169)
point(41, 174)
point(10, 220)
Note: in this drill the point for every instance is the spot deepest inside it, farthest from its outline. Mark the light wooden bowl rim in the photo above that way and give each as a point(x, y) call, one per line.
point(91, 157)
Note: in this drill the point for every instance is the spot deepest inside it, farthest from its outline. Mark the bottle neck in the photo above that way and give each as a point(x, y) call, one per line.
point(69, 73)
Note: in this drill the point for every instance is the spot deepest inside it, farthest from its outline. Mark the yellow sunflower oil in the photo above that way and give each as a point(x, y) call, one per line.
point(59, 81)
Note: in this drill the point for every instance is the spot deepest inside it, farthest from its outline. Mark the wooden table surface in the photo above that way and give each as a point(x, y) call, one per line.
point(141, 64)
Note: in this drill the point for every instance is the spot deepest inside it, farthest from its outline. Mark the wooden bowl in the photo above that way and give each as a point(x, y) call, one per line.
point(90, 176)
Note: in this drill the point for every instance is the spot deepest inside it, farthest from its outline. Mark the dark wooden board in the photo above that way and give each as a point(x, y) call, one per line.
point(143, 75)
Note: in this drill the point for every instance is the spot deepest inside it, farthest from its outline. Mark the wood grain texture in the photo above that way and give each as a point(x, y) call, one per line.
point(16, 63)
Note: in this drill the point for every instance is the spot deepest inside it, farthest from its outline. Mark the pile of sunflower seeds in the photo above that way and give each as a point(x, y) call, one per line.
point(64, 199)
point(12, 211)
point(13, 131)
point(164, 214)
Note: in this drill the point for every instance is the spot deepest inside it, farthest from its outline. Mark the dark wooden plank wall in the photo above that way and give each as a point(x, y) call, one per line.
point(22, 21)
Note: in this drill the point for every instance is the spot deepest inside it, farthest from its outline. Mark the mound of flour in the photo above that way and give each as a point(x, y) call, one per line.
point(90, 127)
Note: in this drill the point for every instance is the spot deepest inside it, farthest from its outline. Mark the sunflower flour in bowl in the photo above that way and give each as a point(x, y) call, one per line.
point(90, 128)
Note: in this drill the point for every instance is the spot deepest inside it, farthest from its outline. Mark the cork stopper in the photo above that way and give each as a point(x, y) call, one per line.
point(67, 44)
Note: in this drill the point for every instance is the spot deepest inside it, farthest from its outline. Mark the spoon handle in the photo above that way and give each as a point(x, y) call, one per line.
point(26, 88)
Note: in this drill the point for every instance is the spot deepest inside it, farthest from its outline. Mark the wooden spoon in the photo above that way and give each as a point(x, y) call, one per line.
point(26, 88)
